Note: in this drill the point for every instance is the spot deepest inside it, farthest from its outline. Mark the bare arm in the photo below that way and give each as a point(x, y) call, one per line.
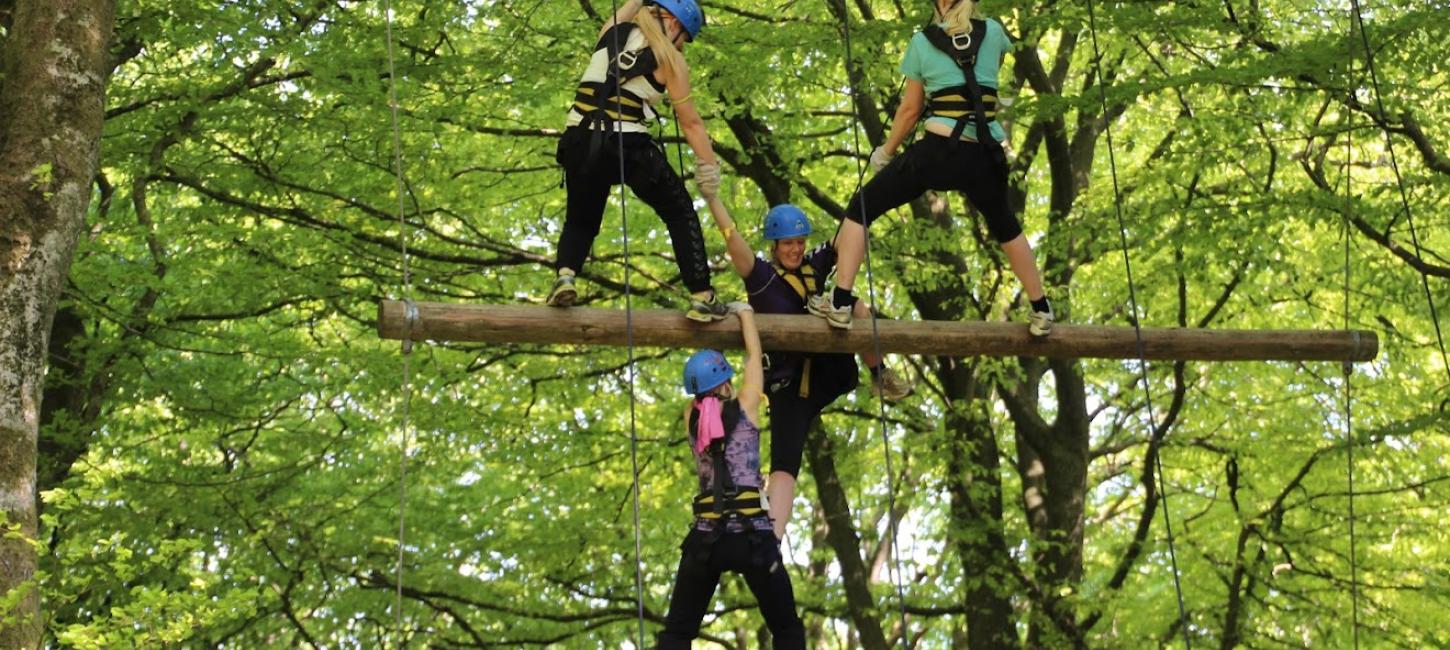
point(754, 378)
point(740, 254)
point(691, 124)
point(625, 14)
point(913, 97)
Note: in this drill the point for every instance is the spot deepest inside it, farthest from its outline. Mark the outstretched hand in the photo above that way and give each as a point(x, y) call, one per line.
point(738, 307)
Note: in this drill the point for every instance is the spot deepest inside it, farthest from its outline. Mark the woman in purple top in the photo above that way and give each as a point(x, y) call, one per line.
point(800, 385)
point(731, 531)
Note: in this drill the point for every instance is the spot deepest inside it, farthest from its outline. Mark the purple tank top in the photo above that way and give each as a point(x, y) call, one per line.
point(742, 458)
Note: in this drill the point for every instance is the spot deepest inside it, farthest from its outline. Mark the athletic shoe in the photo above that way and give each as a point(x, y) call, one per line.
point(1040, 323)
point(890, 385)
point(563, 294)
point(837, 317)
point(707, 311)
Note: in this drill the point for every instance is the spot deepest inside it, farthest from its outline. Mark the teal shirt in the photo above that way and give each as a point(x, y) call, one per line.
point(935, 70)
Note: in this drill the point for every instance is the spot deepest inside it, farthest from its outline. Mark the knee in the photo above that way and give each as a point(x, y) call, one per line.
point(1004, 227)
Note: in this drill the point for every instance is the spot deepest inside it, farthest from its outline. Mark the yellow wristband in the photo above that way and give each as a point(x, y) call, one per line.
point(727, 231)
point(679, 101)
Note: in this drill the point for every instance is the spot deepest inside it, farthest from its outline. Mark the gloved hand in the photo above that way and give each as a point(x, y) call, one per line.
point(707, 180)
point(880, 159)
point(737, 307)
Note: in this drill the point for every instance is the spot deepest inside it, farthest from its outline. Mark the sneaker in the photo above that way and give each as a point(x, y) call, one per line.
point(837, 317)
point(707, 311)
point(563, 294)
point(890, 385)
point(1040, 323)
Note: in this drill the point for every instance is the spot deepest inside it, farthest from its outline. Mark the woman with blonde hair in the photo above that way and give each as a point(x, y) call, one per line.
point(637, 60)
point(731, 532)
point(961, 151)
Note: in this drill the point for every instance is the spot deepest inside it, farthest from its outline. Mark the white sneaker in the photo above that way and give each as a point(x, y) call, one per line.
point(837, 317)
point(1040, 323)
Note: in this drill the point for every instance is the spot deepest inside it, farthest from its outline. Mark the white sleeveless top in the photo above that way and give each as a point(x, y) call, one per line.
point(644, 85)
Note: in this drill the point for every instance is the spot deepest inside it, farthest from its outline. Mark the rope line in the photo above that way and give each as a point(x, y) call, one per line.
point(629, 340)
point(1137, 326)
point(1347, 369)
point(1399, 180)
point(892, 523)
point(411, 314)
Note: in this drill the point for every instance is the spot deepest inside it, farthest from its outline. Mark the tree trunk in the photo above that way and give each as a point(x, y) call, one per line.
point(973, 480)
point(841, 535)
point(53, 64)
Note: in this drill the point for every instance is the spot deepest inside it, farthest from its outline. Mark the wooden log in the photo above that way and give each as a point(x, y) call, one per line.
point(661, 328)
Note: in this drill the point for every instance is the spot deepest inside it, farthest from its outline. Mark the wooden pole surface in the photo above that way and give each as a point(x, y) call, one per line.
point(662, 328)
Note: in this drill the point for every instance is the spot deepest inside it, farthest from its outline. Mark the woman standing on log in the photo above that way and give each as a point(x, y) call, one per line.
point(636, 62)
point(955, 60)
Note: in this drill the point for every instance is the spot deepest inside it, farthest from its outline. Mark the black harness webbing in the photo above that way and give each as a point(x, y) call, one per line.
point(603, 103)
point(963, 48)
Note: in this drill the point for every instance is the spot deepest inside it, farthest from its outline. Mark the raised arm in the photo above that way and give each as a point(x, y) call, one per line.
point(692, 126)
point(625, 14)
point(740, 254)
point(753, 381)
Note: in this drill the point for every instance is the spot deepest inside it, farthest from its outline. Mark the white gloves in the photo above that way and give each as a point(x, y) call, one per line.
point(707, 179)
point(737, 307)
point(880, 158)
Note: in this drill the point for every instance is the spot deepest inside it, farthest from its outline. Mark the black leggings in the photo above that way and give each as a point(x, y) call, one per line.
point(791, 416)
point(754, 555)
point(933, 163)
point(648, 173)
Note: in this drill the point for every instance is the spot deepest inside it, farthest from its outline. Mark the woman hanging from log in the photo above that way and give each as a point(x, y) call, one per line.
point(961, 151)
point(637, 60)
point(799, 385)
point(731, 531)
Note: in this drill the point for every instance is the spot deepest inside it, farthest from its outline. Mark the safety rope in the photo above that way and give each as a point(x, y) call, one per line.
point(411, 318)
point(892, 524)
point(1347, 368)
point(1399, 179)
point(629, 338)
point(1137, 327)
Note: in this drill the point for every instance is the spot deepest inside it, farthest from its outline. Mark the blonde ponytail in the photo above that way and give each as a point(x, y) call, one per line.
point(668, 57)
point(958, 19)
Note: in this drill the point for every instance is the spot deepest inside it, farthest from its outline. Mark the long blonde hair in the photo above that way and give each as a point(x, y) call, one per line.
point(666, 54)
point(958, 19)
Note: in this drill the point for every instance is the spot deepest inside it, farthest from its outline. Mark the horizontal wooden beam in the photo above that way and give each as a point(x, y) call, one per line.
point(660, 328)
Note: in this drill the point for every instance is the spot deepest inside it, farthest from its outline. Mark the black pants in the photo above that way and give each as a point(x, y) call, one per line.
point(648, 173)
point(934, 163)
point(756, 557)
point(791, 416)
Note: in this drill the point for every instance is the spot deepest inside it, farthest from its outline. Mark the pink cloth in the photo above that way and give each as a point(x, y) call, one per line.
point(709, 427)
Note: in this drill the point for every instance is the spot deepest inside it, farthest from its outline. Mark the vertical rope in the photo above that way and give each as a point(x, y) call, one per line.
point(629, 343)
point(892, 524)
point(1399, 180)
point(1347, 368)
point(1137, 327)
point(412, 315)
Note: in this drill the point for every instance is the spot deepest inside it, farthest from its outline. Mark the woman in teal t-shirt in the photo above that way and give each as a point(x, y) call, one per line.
point(939, 162)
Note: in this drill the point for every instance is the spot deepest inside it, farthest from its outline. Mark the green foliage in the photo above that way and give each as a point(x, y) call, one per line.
point(241, 480)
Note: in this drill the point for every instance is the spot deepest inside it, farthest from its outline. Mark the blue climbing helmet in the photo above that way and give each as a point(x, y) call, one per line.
point(706, 370)
point(688, 12)
point(786, 221)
